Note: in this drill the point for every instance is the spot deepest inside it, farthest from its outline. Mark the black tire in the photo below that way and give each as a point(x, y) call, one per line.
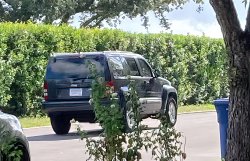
point(127, 127)
point(123, 104)
point(171, 111)
point(60, 125)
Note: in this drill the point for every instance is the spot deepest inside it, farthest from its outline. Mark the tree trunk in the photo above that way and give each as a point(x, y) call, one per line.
point(238, 143)
point(238, 48)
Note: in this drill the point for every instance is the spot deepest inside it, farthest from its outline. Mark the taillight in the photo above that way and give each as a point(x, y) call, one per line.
point(45, 91)
point(110, 84)
point(110, 88)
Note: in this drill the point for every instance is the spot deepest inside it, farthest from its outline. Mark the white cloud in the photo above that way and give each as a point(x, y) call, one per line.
point(211, 30)
point(185, 27)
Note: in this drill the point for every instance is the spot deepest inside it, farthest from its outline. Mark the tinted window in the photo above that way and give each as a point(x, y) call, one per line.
point(133, 67)
point(73, 67)
point(146, 71)
point(117, 66)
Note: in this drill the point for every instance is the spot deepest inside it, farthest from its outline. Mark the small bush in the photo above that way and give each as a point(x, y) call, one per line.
point(114, 144)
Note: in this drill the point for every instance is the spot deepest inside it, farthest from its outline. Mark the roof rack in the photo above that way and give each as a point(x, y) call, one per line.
point(62, 54)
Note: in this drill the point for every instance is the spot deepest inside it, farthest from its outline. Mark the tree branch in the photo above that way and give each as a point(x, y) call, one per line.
point(98, 22)
point(86, 23)
point(247, 28)
point(227, 17)
point(65, 18)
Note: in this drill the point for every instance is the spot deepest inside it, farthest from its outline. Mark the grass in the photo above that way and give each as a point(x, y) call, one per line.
point(195, 108)
point(28, 122)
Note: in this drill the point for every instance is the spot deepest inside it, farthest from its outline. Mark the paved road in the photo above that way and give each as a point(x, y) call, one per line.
point(200, 129)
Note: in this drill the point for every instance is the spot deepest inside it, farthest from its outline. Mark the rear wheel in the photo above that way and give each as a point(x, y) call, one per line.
point(171, 111)
point(129, 121)
point(60, 125)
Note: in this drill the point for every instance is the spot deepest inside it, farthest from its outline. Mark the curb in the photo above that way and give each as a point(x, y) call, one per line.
point(196, 112)
point(37, 127)
point(27, 128)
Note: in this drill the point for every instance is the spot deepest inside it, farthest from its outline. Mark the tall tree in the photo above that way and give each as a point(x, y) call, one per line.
point(93, 12)
point(237, 42)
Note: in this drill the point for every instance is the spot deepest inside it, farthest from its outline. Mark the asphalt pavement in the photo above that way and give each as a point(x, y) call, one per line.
point(201, 131)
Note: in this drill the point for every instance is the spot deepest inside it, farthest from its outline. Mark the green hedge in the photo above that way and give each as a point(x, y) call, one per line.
point(196, 66)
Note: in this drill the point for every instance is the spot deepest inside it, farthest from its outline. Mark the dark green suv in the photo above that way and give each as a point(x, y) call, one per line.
point(67, 86)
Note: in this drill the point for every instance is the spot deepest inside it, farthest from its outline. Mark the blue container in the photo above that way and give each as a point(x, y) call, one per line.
point(221, 106)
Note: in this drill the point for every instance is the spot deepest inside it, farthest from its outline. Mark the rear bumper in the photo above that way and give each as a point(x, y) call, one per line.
point(81, 111)
point(67, 106)
point(70, 106)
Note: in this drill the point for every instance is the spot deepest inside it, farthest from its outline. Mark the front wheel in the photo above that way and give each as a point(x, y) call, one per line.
point(60, 125)
point(171, 111)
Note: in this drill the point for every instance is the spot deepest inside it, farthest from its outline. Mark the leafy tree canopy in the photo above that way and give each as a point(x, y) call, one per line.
point(93, 12)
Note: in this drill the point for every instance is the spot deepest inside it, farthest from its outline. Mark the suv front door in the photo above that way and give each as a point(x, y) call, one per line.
point(151, 86)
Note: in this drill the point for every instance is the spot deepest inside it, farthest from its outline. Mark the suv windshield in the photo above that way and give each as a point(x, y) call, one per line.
point(74, 67)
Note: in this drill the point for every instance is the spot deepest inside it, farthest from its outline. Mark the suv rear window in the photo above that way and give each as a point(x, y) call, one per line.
point(73, 67)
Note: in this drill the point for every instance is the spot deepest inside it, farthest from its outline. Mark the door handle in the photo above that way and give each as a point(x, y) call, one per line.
point(146, 85)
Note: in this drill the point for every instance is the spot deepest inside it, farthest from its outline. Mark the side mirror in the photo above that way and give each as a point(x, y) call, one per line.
point(157, 73)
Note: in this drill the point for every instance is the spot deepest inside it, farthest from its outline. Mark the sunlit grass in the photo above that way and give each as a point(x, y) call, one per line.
point(28, 122)
point(195, 108)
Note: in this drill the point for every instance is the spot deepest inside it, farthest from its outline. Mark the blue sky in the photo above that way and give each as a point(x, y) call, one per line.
point(186, 20)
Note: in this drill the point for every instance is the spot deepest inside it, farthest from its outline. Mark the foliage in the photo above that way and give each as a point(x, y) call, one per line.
point(92, 12)
point(114, 145)
point(7, 146)
point(195, 65)
point(166, 143)
point(110, 118)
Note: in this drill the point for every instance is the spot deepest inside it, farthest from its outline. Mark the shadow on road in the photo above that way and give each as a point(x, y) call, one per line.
point(70, 136)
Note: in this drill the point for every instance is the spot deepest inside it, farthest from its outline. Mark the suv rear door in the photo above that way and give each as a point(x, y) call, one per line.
point(121, 67)
point(69, 77)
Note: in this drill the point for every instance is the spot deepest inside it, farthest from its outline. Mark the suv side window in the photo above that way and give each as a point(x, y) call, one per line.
point(117, 66)
point(146, 71)
point(134, 71)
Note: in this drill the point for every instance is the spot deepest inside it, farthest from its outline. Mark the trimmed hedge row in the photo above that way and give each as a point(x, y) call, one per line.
point(196, 66)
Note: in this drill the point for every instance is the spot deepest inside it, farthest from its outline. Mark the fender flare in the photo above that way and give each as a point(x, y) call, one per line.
point(167, 90)
point(122, 96)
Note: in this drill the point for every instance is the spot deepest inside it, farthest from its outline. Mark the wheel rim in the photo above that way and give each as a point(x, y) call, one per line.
point(130, 118)
point(172, 112)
